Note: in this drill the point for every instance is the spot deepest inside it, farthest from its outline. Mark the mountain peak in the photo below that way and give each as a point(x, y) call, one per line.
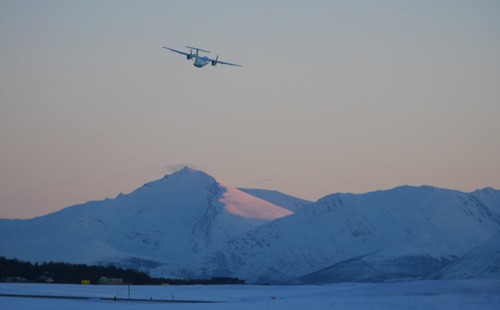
point(188, 185)
point(190, 175)
point(188, 171)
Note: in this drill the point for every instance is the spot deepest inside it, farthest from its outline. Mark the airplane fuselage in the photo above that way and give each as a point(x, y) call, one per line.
point(200, 62)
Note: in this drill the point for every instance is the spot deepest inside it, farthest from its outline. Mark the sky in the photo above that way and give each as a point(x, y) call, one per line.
point(333, 96)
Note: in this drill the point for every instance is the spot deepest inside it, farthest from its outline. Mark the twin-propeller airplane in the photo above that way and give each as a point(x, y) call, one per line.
point(200, 61)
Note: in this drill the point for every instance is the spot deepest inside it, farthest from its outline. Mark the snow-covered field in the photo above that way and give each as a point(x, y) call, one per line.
point(442, 294)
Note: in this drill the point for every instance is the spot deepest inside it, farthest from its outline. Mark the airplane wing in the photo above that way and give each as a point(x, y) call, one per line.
point(176, 51)
point(224, 63)
point(227, 63)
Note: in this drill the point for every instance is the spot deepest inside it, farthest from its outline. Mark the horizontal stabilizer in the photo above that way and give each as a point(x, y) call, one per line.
point(198, 49)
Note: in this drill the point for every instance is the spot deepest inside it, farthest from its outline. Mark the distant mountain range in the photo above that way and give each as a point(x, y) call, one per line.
point(189, 225)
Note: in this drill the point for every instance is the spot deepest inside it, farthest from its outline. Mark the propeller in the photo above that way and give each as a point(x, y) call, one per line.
point(215, 61)
point(190, 54)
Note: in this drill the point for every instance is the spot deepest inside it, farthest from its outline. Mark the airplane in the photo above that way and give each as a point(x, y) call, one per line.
point(200, 61)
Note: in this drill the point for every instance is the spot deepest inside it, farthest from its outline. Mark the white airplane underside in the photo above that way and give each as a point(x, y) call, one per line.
point(201, 61)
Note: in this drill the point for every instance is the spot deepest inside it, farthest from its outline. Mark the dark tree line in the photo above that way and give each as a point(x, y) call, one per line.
point(75, 273)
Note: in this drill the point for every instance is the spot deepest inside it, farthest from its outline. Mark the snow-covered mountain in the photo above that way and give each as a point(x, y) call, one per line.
point(482, 262)
point(189, 225)
point(171, 223)
point(403, 233)
point(280, 199)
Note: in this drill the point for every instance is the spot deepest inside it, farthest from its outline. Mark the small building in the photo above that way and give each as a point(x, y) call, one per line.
point(110, 281)
point(46, 277)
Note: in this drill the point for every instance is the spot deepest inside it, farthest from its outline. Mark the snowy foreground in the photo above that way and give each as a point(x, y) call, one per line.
point(453, 294)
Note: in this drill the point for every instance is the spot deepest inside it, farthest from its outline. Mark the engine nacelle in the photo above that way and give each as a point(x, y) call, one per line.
point(189, 57)
point(214, 63)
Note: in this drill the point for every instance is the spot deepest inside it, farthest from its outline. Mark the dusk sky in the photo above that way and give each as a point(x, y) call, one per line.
point(333, 96)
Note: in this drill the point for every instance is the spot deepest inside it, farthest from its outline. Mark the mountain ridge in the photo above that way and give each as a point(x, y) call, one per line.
point(191, 225)
point(409, 227)
point(171, 221)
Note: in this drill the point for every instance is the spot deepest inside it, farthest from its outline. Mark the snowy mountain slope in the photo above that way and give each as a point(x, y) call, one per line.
point(172, 222)
point(370, 268)
point(283, 200)
point(482, 262)
point(406, 232)
point(188, 225)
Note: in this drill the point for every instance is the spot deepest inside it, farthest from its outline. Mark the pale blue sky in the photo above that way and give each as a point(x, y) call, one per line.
point(348, 96)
